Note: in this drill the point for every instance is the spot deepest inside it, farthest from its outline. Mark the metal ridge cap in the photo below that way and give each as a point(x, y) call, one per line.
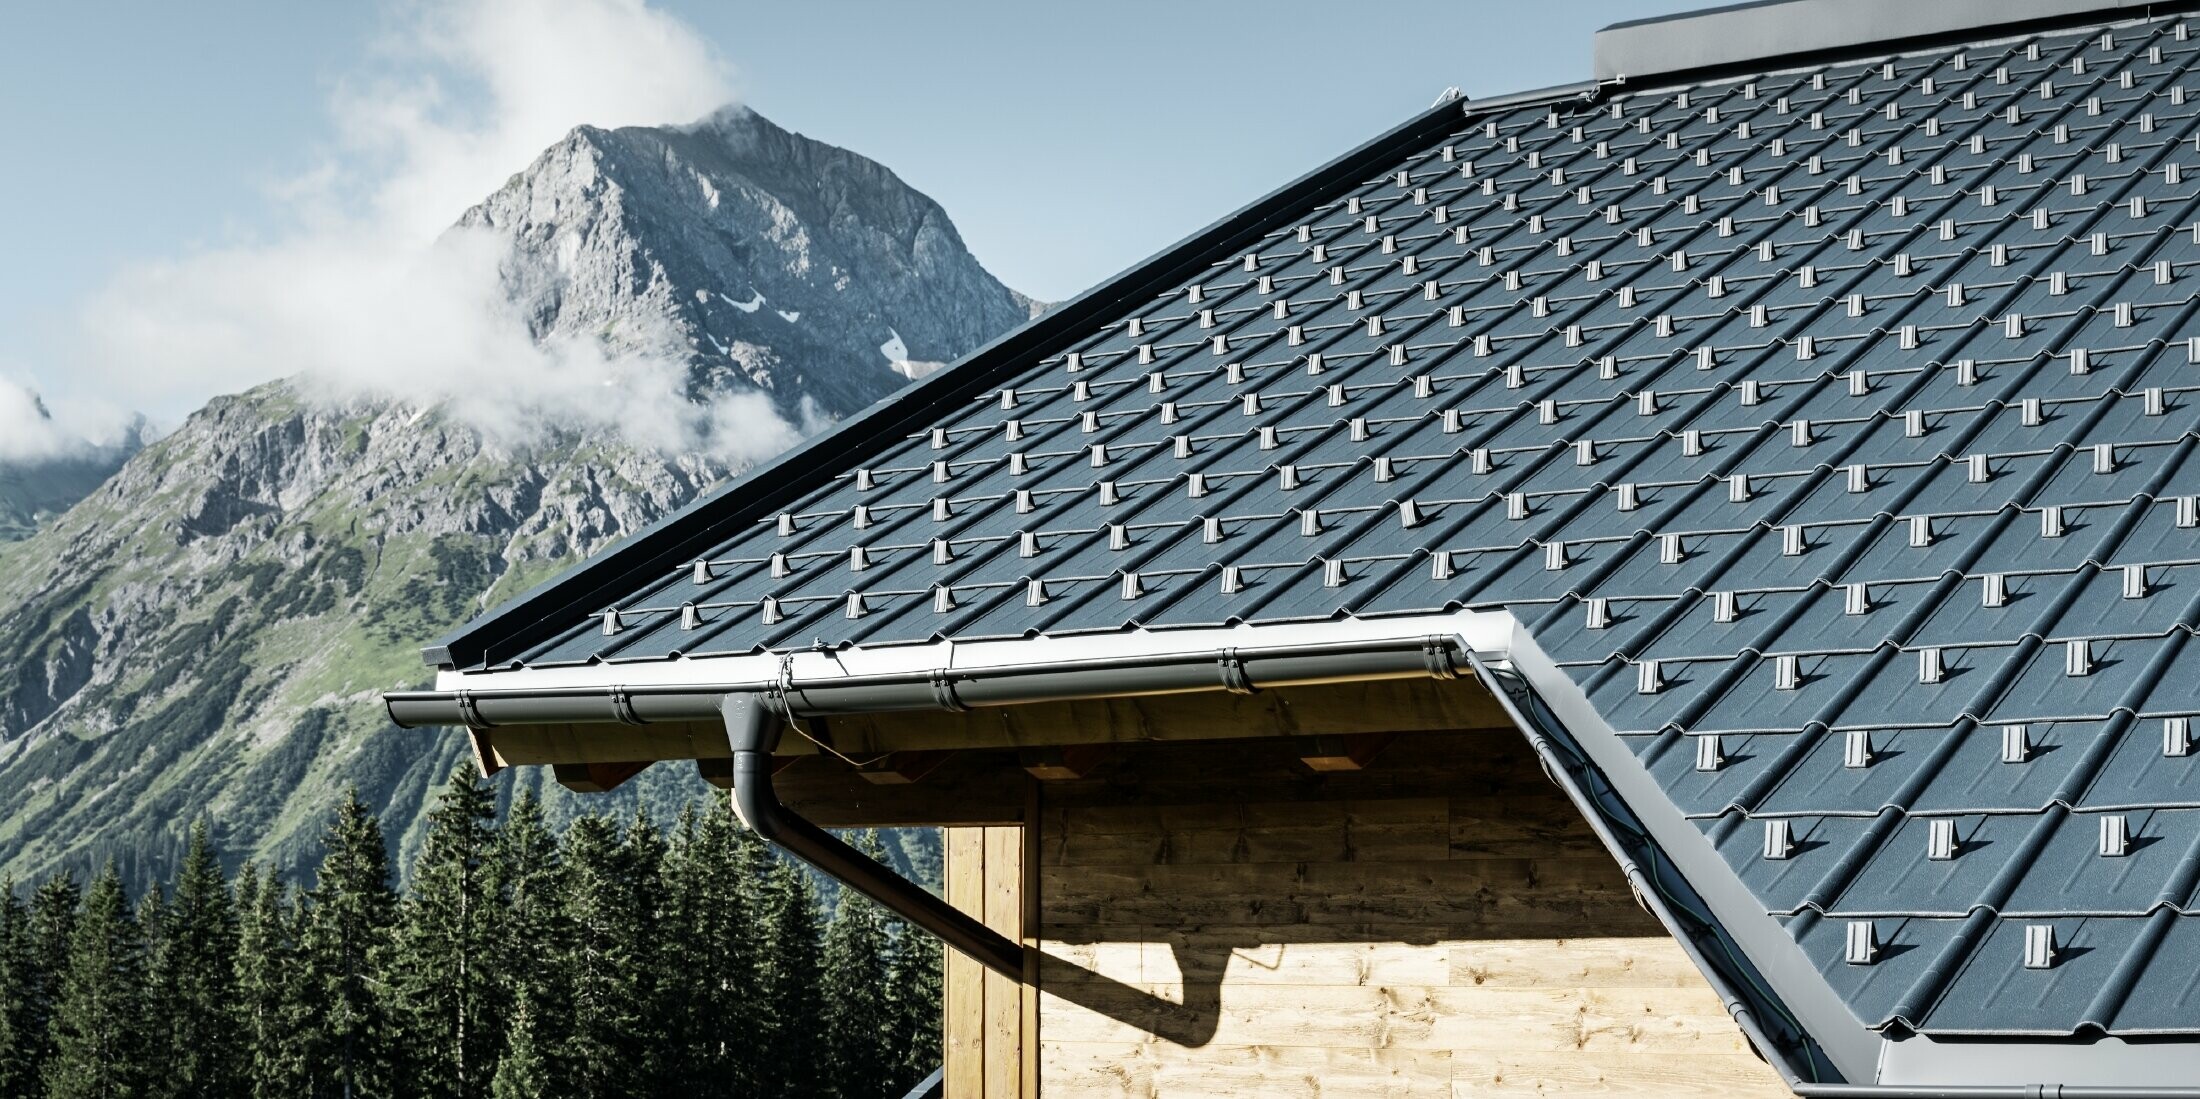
point(1767, 34)
point(518, 622)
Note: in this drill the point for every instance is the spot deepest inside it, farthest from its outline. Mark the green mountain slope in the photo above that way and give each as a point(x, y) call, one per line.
point(209, 632)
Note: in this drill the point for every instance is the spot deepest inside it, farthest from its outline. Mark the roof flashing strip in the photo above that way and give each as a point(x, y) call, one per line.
point(1758, 33)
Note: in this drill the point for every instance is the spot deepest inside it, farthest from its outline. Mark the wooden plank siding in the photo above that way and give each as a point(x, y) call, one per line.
point(1219, 920)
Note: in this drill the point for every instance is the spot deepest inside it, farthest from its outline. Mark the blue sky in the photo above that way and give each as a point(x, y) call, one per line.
point(1067, 141)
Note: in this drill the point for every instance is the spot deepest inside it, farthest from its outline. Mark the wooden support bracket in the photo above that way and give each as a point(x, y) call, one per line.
point(1344, 753)
point(485, 753)
point(900, 768)
point(1064, 764)
point(596, 778)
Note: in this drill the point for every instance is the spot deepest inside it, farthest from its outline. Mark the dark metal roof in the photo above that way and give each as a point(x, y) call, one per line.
point(1846, 414)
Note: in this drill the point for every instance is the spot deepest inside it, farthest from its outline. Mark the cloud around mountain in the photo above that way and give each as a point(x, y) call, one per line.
point(370, 293)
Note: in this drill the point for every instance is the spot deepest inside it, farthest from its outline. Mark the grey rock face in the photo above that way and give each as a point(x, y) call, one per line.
point(779, 262)
point(207, 631)
point(32, 492)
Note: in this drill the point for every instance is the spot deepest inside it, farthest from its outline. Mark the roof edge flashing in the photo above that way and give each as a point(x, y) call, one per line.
point(1758, 33)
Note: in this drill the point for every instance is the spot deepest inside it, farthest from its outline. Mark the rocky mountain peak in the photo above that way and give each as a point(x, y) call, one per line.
point(770, 260)
point(206, 634)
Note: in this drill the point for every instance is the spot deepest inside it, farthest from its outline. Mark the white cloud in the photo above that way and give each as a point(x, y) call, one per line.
point(27, 433)
point(369, 293)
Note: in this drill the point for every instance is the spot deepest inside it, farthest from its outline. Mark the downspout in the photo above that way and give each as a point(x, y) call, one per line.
point(1561, 768)
point(752, 729)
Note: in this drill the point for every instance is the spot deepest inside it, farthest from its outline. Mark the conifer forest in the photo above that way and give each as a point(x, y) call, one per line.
point(617, 959)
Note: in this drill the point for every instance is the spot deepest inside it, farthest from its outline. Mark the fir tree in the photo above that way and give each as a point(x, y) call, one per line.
point(346, 937)
point(18, 978)
point(711, 955)
point(522, 1072)
point(271, 1010)
point(99, 1046)
point(192, 1005)
point(642, 854)
point(53, 911)
point(913, 992)
point(857, 1021)
point(440, 981)
point(788, 980)
point(528, 882)
point(600, 964)
point(151, 916)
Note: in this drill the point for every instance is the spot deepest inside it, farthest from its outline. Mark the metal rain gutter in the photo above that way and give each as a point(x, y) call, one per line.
point(1509, 688)
point(755, 714)
point(1240, 669)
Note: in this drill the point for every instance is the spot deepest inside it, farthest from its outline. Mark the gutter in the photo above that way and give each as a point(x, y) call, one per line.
point(1569, 770)
point(756, 714)
point(1241, 669)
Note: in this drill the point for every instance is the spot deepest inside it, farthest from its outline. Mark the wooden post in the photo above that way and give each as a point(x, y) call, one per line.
point(987, 1035)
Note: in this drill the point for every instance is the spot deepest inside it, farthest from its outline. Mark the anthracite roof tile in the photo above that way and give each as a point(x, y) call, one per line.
point(1995, 993)
point(1901, 877)
point(2071, 875)
point(1979, 776)
point(1911, 397)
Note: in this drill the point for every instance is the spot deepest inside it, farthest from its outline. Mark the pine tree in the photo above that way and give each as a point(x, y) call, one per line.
point(443, 990)
point(18, 979)
point(600, 964)
point(192, 1004)
point(857, 1017)
point(346, 938)
point(151, 916)
point(914, 994)
point(99, 1045)
point(271, 1008)
point(522, 1072)
point(528, 882)
point(788, 980)
point(711, 956)
point(53, 912)
point(642, 852)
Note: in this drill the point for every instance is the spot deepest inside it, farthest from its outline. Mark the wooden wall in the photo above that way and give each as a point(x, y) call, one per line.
point(1217, 919)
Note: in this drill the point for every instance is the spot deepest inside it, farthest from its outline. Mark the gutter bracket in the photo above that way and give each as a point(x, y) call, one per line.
point(754, 723)
point(943, 692)
point(1437, 652)
point(622, 707)
point(1235, 679)
point(470, 713)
